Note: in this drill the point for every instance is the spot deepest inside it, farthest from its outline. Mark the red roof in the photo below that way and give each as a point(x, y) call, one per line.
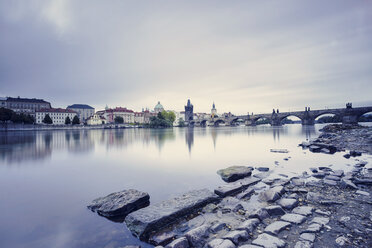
point(56, 110)
point(120, 109)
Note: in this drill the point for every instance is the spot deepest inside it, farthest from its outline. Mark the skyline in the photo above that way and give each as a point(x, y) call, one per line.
point(244, 56)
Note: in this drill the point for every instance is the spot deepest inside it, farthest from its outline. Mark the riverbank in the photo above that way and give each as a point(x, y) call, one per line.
point(322, 207)
point(36, 127)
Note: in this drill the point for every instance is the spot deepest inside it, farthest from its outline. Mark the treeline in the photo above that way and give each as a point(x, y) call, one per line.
point(162, 120)
point(7, 115)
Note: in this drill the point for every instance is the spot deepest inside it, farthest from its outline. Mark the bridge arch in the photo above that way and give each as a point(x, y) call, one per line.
point(203, 123)
point(285, 117)
point(328, 118)
point(261, 120)
point(365, 117)
point(218, 122)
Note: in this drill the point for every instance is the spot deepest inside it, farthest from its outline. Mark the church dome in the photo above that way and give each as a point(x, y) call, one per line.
point(158, 107)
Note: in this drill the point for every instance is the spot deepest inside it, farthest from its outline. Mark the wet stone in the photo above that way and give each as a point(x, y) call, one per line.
point(334, 178)
point(320, 220)
point(293, 218)
point(249, 225)
point(360, 192)
point(147, 220)
point(263, 169)
point(329, 182)
point(308, 237)
point(196, 236)
point(348, 184)
point(237, 236)
point(327, 213)
point(303, 210)
point(245, 194)
point(288, 203)
point(162, 238)
point(293, 196)
point(178, 243)
point(319, 174)
point(217, 227)
point(220, 243)
point(250, 246)
point(313, 228)
point(276, 227)
point(275, 210)
point(298, 182)
point(120, 204)
point(234, 173)
point(230, 204)
point(268, 241)
point(272, 194)
point(303, 244)
point(259, 214)
point(338, 173)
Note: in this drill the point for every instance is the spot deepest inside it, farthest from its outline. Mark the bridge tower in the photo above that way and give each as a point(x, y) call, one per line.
point(189, 112)
point(350, 116)
point(275, 119)
point(307, 118)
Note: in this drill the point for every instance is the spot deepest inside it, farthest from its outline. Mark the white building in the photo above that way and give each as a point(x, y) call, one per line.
point(83, 111)
point(57, 115)
point(96, 120)
point(126, 114)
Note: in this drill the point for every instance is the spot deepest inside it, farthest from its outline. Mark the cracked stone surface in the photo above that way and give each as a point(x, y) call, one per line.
point(293, 218)
point(268, 241)
point(276, 227)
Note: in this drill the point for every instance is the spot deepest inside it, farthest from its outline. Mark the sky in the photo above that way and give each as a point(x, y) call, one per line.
point(246, 56)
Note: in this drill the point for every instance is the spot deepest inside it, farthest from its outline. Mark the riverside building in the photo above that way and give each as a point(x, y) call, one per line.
point(58, 115)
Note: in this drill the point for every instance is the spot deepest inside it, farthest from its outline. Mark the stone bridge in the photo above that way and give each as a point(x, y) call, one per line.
point(349, 115)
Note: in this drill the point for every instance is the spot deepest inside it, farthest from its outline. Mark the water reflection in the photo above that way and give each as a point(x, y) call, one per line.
point(189, 137)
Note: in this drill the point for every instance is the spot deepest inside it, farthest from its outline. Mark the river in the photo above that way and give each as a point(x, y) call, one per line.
point(47, 178)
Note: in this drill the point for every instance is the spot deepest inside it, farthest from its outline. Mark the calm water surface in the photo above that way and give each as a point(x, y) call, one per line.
point(47, 178)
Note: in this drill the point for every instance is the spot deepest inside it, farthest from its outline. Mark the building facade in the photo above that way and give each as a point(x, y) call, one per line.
point(213, 111)
point(126, 114)
point(26, 105)
point(96, 120)
point(57, 115)
point(83, 111)
point(2, 102)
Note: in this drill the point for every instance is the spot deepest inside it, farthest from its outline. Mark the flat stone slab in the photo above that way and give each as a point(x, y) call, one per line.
point(268, 241)
point(178, 243)
point(120, 204)
point(249, 225)
point(331, 177)
point(303, 210)
point(275, 210)
point(279, 150)
point(236, 187)
point(293, 218)
point(361, 192)
point(320, 220)
point(288, 203)
point(159, 215)
point(237, 236)
point(276, 227)
point(272, 194)
point(329, 182)
point(304, 244)
point(313, 228)
point(308, 237)
point(233, 173)
point(220, 243)
point(197, 236)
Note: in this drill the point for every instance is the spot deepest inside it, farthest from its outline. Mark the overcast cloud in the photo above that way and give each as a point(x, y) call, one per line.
point(244, 55)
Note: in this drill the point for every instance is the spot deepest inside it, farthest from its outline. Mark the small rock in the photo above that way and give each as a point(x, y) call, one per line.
point(279, 150)
point(293, 218)
point(220, 243)
point(313, 228)
point(308, 237)
point(217, 227)
point(267, 240)
point(341, 240)
point(249, 225)
point(338, 173)
point(320, 220)
point(259, 214)
point(276, 227)
point(330, 182)
point(178, 243)
point(327, 213)
point(196, 236)
point(272, 194)
point(313, 170)
point(303, 244)
point(275, 210)
point(237, 236)
point(347, 184)
point(263, 169)
point(334, 178)
point(303, 210)
point(245, 194)
point(234, 173)
point(360, 192)
point(288, 203)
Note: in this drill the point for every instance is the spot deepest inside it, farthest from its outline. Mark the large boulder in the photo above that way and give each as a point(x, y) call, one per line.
point(120, 204)
point(234, 173)
point(154, 217)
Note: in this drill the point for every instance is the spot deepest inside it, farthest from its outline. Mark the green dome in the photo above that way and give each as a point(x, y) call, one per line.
point(159, 107)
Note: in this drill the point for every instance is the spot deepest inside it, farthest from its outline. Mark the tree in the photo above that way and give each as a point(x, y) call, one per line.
point(67, 121)
point(181, 122)
point(163, 119)
point(5, 114)
point(47, 119)
point(75, 120)
point(119, 120)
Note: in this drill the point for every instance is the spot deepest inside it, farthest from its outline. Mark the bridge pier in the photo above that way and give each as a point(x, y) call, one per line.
point(276, 122)
point(308, 121)
point(349, 119)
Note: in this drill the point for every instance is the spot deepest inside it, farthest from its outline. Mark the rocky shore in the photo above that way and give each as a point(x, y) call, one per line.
point(322, 207)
